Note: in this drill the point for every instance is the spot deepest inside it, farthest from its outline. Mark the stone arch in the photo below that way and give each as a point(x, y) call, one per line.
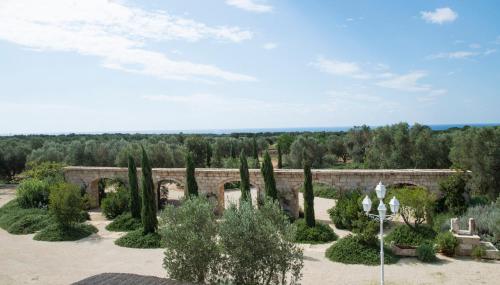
point(95, 191)
point(158, 189)
point(221, 191)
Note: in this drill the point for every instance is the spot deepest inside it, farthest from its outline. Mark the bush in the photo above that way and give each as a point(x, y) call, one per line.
point(352, 250)
point(323, 191)
point(65, 204)
point(33, 193)
point(57, 232)
point(478, 252)
point(346, 211)
point(426, 252)
point(454, 190)
point(124, 223)
point(417, 204)
point(447, 243)
point(406, 236)
point(441, 222)
point(487, 220)
point(321, 233)
point(115, 203)
point(17, 220)
point(29, 224)
point(137, 239)
point(268, 254)
point(52, 171)
point(190, 236)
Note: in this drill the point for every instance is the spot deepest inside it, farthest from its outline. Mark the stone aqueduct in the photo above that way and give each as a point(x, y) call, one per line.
point(288, 181)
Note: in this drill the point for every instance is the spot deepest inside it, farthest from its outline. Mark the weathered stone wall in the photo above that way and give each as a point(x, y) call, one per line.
point(288, 181)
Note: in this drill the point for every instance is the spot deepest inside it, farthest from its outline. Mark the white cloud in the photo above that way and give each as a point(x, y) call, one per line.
point(114, 32)
point(270, 46)
point(489, 51)
point(343, 68)
point(432, 96)
point(455, 55)
point(250, 5)
point(439, 16)
point(406, 82)
point(475, 45)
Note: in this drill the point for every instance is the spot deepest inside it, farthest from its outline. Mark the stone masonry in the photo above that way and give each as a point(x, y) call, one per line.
point(288, 181)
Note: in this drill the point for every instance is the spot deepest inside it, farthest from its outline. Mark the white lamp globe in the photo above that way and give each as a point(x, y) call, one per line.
point(382, 210)
point(380, 189)
point(394, 203)
point(367, 204)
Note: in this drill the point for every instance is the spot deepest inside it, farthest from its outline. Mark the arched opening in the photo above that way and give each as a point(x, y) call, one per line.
point(325, 196)
point(169, 192)
point(107, 185)
point(231, 193)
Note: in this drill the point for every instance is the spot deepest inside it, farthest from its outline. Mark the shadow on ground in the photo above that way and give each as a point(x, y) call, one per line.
point(126, 279)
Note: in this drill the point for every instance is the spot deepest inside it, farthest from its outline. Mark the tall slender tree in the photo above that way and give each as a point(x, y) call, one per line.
point(191, 184)
point(255, 149)
point(280, 157)
point(135, 200)
point(244, 179)
point(209, 155)
point(268, 175)
point(149, 220)
point(308, 196)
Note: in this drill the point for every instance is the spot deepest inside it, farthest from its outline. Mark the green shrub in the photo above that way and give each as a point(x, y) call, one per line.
point(86, 202)
point(124, 223)
point(29, 224)
point(52, 171)
point(57, 232)
point(351, 250)
point(416, 206)
point(17, 220)
point(346, 211)
point(267, 254)
point(478, 252)
point(446, 243)
point(441, 222)
point(137, 239)
point(33, 193)
point(115, 203)
point(426, 252)
point(406, 236)
point(323, 191)
point(487, 218)
point(479, 200)
point(65, 204)
point(320, 233)
point(453, 189)
point(190, 238)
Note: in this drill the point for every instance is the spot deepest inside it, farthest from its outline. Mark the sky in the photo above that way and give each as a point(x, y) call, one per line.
point(160, 65)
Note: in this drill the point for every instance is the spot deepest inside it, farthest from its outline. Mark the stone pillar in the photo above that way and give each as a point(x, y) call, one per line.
point(454, 226)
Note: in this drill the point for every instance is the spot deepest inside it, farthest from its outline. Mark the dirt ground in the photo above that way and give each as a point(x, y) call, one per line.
point(25, 261)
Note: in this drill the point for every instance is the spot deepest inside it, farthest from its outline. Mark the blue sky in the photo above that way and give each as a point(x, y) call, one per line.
point(106, 66)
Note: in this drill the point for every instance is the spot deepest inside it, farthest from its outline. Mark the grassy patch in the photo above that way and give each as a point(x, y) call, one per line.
point(351, 250)
point(137, 239)
point(321, 233)
point(124, 223)
point(17, 220)
point(55, 232)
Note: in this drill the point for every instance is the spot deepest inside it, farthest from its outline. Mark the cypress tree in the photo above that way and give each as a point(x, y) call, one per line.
point(308, 196)
point(149, 220)
point(192, 186)
point(255, 149)
point(135, 201)
point(280, 161)
point(268, 175)
point(209, 155)
point(244, 179)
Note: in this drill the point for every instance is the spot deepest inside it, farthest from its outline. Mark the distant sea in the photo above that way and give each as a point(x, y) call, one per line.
point(436, 127)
